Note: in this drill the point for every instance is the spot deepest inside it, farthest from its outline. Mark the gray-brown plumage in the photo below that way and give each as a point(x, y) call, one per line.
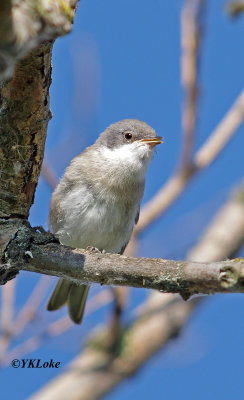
point(97, 201)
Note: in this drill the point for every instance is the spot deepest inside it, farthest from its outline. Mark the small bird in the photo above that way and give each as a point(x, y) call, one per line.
point(97, 202)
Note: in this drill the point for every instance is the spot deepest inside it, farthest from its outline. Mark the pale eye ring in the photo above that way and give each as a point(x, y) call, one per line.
point(128, 135)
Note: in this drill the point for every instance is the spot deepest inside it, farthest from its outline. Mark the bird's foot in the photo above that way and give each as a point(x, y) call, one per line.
point(92, 249)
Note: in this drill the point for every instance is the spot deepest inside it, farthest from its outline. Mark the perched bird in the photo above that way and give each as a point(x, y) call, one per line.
point(97, 202)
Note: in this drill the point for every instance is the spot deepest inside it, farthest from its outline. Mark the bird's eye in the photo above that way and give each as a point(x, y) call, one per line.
point(128, 135)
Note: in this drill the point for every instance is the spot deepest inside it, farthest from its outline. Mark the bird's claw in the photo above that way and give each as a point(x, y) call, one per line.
point(92, 249)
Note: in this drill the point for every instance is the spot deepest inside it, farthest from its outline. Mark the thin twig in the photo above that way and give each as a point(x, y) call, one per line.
point(7, 315)
point(49, 175)
point(29, 309)
point(225, 232)
point(192, 22)
point(7, 309)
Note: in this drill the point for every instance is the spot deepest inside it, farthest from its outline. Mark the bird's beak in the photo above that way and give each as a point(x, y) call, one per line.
point(153, 141)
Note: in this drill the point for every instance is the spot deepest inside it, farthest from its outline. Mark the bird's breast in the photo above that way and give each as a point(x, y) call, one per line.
point(100, 217)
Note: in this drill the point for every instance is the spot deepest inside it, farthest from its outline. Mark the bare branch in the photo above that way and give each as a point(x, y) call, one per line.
point(7, 309)
point(168, 276)
point(225, 235)
point(192, 24)
point(29, 309)
point(221, 134)
point(49, 175)
point(38, 252)
point(7, 314)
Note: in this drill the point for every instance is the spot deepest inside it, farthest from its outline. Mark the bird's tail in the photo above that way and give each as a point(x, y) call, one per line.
point(74, 295)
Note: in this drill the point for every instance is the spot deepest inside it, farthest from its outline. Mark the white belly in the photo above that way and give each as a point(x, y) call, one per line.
point(106, 223)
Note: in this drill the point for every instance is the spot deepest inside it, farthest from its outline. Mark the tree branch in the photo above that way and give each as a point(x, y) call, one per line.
point(225, 235)
point(41, 252)
point(192, 27)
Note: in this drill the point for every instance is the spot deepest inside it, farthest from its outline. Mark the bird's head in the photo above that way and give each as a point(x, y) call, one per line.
point(129, 141)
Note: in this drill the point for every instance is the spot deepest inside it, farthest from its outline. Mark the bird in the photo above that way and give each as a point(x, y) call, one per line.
point(97, 202)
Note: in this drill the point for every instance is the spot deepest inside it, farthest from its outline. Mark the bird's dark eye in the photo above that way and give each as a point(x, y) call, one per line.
point(128, 135)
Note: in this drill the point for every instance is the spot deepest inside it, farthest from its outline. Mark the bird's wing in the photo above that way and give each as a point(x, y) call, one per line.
point(137, 216)
point(136, 220)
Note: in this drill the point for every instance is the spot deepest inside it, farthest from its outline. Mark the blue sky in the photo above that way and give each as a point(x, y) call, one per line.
point(122, 60)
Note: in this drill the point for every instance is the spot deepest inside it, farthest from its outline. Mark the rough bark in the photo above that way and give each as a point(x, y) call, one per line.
point(24, 116)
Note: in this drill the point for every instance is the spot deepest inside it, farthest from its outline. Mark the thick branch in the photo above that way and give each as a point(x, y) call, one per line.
point(40, 252)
